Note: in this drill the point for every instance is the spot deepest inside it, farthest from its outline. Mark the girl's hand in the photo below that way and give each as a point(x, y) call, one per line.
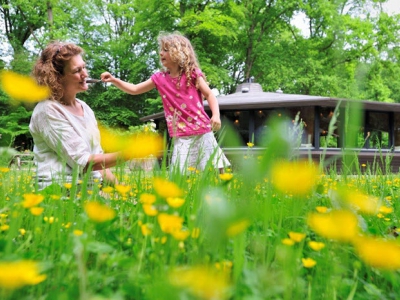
point(107, 77)
point(215, 123)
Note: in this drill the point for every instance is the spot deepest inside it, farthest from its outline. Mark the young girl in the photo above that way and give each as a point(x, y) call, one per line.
point(182, 85)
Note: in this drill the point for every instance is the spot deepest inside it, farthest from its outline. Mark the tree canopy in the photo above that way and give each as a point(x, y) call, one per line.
point(346, 48)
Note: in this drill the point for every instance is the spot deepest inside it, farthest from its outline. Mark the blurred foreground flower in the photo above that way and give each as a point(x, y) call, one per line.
point(297, 177)
point(339, 225)
point(169, 223)
point(22, 88)
point(31, 200)
point(202, 282)
point(133, 145)
point(16, 274)
point(308, 262)
point(98, 212)
point(166, 188)
point(175, 202)
point(316, 246)
point(361, 202)
point(237, 227)
point(296, 236)
point(378, 252)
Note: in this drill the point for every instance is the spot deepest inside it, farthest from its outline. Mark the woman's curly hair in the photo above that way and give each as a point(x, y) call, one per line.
point(49, 68)
point(181, 51)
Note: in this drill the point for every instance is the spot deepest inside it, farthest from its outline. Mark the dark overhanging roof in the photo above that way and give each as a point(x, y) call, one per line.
point(249, 96)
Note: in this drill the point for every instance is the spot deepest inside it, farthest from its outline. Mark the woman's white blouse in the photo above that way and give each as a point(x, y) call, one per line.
point(63, 141)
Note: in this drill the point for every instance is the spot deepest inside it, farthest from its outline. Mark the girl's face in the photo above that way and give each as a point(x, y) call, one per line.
point(165, 57)
point(75, 74)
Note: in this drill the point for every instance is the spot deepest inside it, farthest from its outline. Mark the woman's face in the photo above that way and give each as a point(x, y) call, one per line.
point(75, 74)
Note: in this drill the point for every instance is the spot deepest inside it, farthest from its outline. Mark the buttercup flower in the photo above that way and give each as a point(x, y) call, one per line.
point(166, 188)
point(147, 198)
point(36, 211)
point(98, 212)
point(297, 177)
point(16, 274)
point(316, 246)
point(22, 88)
point(237, 228)
point(226, 176)
point(339, 225)
point(169, 223)
point(308, 262)
point(175, 202)
point(296, 236)
point(288, 242)
point(150, 210)
point(31, 200)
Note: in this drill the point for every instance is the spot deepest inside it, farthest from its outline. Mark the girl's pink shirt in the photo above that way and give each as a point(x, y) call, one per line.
point(183, 107)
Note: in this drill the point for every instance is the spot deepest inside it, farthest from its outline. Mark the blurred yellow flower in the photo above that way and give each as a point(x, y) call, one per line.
point(202, 281)
point(378, 252)
point(321, 209)
point(386, 209)
point(77, 232)
point(36, 211)
point(288, 242)
point(122, 189)
point(175, 202)
point(226, 176)
point(16, 274)
point(150, 210)
point(169, 223)
point(22, 88)
point(22, 231)
point(362, 202)
point(142, 145)
point(250, 145)
point(296, 236)
point(297, 177)
point(4, 169)
point(316, 246)
point(146, 198)
point(166, 188)
point(180, 235)
point(4, 227)
point(308, 262)
point(108, 189)
point(98, 212)
point(237, 227)
point(68, 185)
point(146, 230)
point(31, 200)
point(339, 225)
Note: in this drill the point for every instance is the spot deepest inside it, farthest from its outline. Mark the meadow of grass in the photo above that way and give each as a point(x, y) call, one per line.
point(271, 229)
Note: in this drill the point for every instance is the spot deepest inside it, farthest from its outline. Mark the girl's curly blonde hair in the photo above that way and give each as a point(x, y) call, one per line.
point(181, 51)
point(49, 68)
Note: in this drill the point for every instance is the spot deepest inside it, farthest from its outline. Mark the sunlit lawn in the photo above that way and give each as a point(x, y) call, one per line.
point(291, 234)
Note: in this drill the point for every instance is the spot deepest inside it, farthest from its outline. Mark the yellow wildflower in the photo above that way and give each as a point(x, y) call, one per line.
point(340, 225)
point(296, 236)
point(122, 189)
point(237, 228)
point(4, 169)
point(316, 246)
point(169, 223)
point(4, 227)
point(36, 211)
point(150, 210)
point(68, 185)
point(297, 178)
point(202, 281)
point(146, 198)
point(321, 209)
point(308, 262)
point(250, 145)
point(195, 232)
point(107, 189)
point(16, 274)
point(150, 144)
point(180, 235)
point(175, 202)
point(386, 210)
point(378, 252)
point(226, 176)
point(288, 242)
point(22, 231)
point(146, 230)
point(362, 202)
point(98, 212)
point(77, 232)
point(166, 188)
point(22, 88)
point(31, 200)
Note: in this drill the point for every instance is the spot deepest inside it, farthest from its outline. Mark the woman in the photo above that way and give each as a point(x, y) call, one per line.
point(64, 129)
